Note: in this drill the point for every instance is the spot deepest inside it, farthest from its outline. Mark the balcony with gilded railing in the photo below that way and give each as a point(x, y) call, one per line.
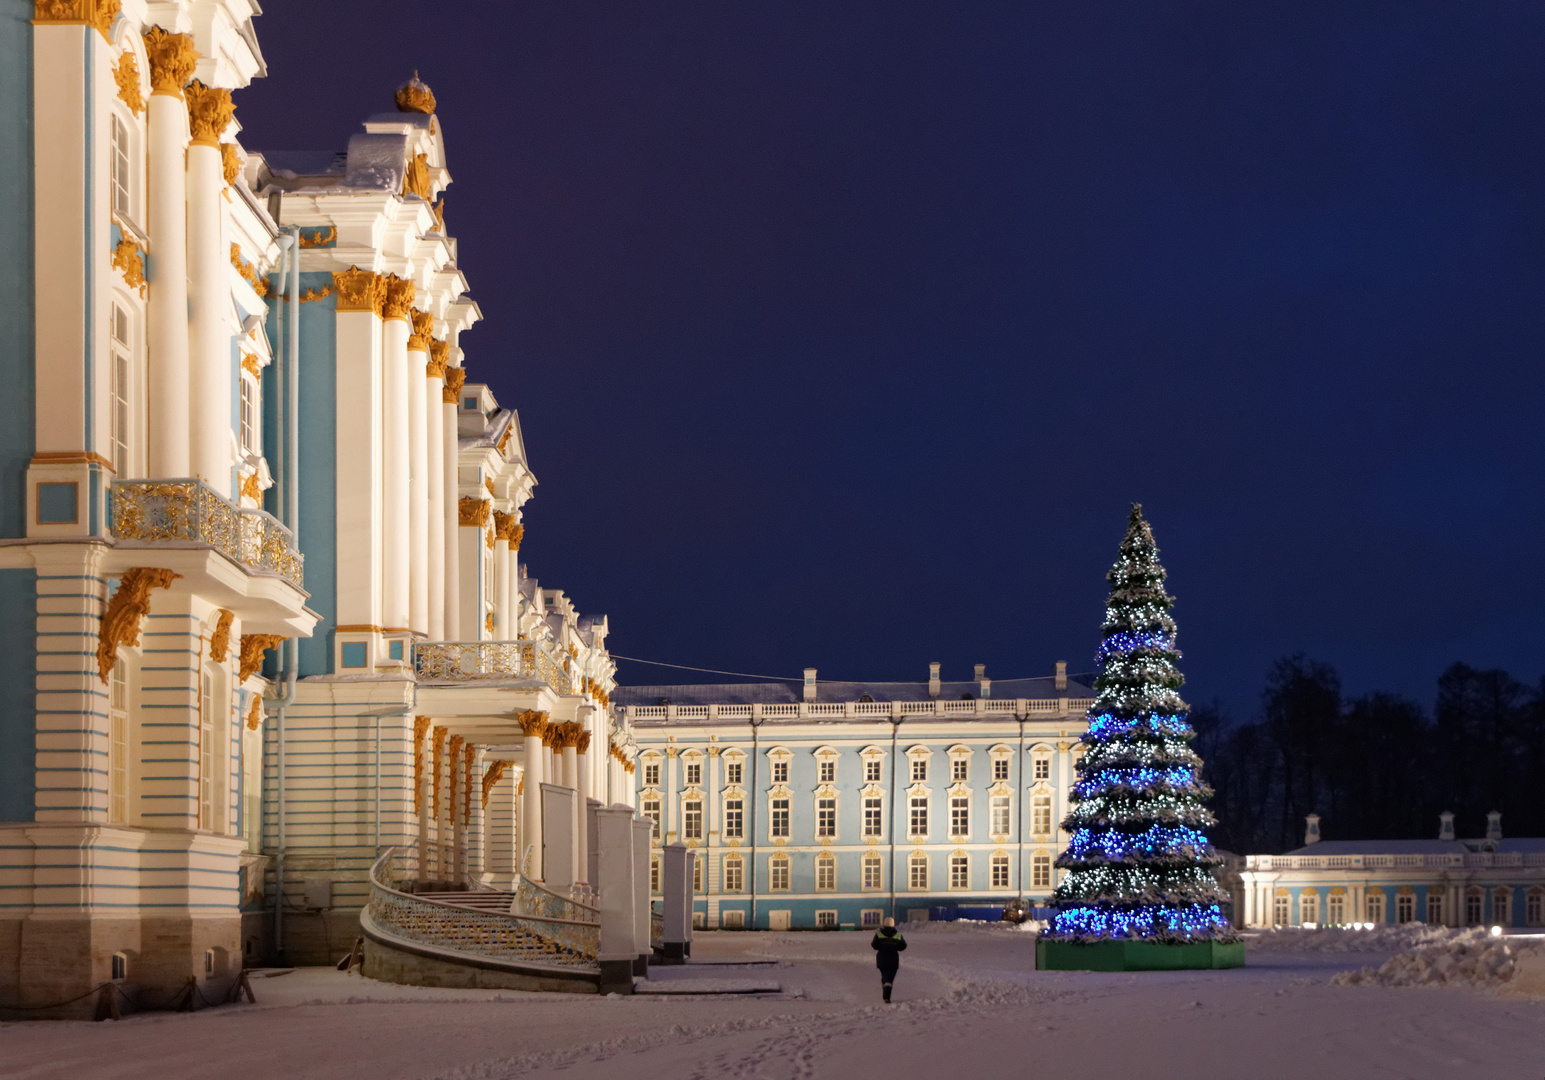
point(191, 512)
point(482, 661)
point(995, 708)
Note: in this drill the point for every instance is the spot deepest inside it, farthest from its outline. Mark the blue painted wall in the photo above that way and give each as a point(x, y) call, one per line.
point(18, 674)
point(318, 469)
point(16, 288)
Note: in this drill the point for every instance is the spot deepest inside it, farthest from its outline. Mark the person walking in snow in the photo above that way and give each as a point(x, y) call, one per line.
point(887, 945)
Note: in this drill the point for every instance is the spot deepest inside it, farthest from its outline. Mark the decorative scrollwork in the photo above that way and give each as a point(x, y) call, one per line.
point(128, 607)
point(220, 640)
point(253, 646)
point(129, 261)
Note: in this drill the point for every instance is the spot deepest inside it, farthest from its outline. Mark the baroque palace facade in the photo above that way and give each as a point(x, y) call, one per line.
point(833, 804)
point(271, 657)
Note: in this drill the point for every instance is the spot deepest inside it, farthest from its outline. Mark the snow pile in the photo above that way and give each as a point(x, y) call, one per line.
point(1340, 939)
point(1471, 958)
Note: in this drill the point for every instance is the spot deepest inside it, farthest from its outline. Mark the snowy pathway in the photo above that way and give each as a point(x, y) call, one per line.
point(969, 1004)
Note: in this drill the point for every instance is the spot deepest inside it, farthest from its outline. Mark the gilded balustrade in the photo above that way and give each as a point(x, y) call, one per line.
point(190, 511)
point(465, 661)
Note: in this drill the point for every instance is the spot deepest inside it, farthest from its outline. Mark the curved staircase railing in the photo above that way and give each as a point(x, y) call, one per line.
point(541, 941)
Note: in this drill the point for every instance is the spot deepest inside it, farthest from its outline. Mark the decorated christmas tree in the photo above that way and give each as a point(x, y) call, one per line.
point(1139, 865)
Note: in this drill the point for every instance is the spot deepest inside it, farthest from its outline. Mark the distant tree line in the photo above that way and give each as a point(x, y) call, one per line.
point(1375, 767)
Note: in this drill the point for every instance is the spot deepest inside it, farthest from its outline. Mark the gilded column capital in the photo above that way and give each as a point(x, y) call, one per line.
point(583, 742)
point(252, 648)
point(396, 299)
point(423, 326)
point(230, 162)
point(129, 605)
point(358, 290)
point(414, 96)
point(672, 751)
point(98, 13)
point(504, 525)
point(455, 379)
point(172, 60)
point(533, 723)
point(126, 76)
point(210, 111)
point(439, 357)
point(473, 512)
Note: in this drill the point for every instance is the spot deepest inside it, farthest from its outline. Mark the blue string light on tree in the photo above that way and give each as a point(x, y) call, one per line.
point(1139, 864)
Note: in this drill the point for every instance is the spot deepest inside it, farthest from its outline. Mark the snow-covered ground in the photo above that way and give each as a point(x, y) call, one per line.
point(969, 1004)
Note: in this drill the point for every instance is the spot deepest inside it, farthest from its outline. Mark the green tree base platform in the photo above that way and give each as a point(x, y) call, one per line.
point(1137, 956)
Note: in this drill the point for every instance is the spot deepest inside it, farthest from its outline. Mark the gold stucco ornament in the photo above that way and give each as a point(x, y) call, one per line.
point(414, 96)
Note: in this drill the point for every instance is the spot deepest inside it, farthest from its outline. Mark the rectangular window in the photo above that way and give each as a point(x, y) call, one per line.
point(734, 818)
point(919, 770)
point(206, 742)
point(960, 769)
point(1000, 768)
point(732, 920)
point(873, 818)
point(692, 820)
point(1309, 907)
point(1405, 908)
point(1040, 872)
point(1041, 767)
point(960, 872)
point(652, 812)
point(828, 772)
point(917, 872)
point(122, 360)
point(872, 770)
point(118, 745)
point(780, 772)
point(826, 817)
point(1375, 905)
point(694, 774)
point(120, 171)
point(1281, 910)
point(1534, 908)
point(652, 775)
point(917, 816)
point(780, 874)
point(734, 874)
point(1475, 909)
point(1000, 871)
point(1335, 909)
point(732, 772)
point(697, 874)
point(826, 920)
point(654, 875)
point(1502, 907)
point(960, 816)
point(1434, 907)
point(780, 817)
point(826, 874)
point(871, 916)
point(872, 872)
point(249, 415)
point(1000, 815)
point(1040, 815)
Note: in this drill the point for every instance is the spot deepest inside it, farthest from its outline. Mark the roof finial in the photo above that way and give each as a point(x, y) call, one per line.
point(414, 96)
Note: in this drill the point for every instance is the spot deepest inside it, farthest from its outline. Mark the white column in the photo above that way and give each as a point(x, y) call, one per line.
point(209, 291)
point(418, 476)
point(434, 445)
point(450, 455)
point(395, 543)
point(534, 726)
point(569, 755)
point(582, 801)
point(171, 60)
point(504, 616)
point(357, 415)
point(511, 590)
point(619, 948)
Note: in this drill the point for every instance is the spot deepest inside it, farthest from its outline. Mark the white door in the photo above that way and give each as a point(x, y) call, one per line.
point(778, 920)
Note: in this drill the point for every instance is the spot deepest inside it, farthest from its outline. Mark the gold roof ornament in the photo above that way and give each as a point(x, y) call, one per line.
point(414, 96)
point(415, 177)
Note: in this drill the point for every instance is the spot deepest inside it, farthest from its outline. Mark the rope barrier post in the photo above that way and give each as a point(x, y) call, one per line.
point(239, 987)
point(185, 998)
point(107, 1003)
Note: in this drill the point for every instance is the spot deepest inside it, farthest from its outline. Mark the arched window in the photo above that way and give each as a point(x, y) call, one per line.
point(826, 873)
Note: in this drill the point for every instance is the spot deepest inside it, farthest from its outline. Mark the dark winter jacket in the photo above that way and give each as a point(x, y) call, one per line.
point(888, 945)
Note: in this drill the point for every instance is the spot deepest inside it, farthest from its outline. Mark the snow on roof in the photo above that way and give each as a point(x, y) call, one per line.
point(771, 693)
point(1419, 847)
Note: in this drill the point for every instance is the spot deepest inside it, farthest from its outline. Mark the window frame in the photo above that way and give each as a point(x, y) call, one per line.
point(917, 810)
point(960, 871)
point(997, 862)
point(780, 822)
point(917, 861)
point(779, 869)
point(826, 872)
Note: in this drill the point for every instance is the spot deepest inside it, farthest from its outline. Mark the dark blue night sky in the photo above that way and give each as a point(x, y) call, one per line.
point(844, 334)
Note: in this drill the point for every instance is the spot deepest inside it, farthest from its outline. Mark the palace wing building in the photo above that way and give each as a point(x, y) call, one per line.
point(833, 804)
point(275, 673)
